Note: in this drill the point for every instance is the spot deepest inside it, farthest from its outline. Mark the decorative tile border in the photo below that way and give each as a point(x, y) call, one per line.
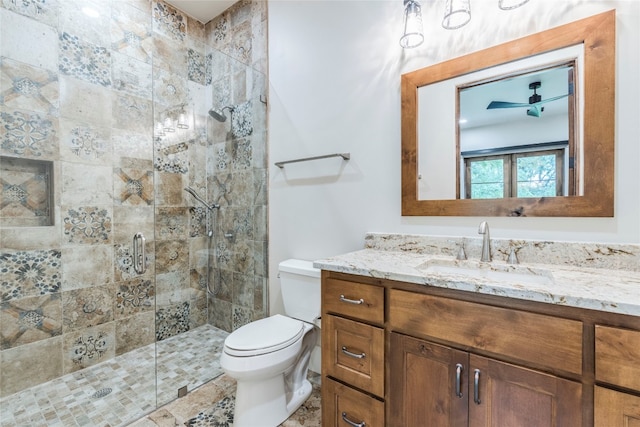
point(87, 307)
point(197, 222)
point(242, 154)
point(41, 10)
point(28, 134)
point(30, 88)
point(241, 120)
point(172, 320)
point(208, 69)
point(171, 157)
point(88, 347)
point(84, 60)
point(87, 143)
point(221, 415)
point(241, 316)
point(171, 223)
point(27, 320)
point(135, 296)
point(133, 187)
point(131, 32)
point(196, 67)
point(169, 21)
point(30, 273)
point(87, 225)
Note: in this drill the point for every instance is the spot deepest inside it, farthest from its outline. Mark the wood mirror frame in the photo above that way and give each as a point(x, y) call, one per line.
point(597, 33)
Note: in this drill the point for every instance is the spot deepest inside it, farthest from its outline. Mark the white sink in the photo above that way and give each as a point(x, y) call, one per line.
point(505, 273)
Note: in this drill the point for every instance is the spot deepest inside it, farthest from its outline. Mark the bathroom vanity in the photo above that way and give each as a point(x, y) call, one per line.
point(412, 337)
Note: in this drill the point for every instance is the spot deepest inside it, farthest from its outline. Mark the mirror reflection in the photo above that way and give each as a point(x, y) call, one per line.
point(509, 131)
point(515, 135)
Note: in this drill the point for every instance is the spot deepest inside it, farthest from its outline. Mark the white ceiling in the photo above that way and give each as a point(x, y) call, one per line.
point(202, 10)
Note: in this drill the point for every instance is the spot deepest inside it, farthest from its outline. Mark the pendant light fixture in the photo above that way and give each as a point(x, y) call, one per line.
point(412, 35)
point(510, 4)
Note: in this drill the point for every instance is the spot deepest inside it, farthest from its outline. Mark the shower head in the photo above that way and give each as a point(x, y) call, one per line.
point(219, 114)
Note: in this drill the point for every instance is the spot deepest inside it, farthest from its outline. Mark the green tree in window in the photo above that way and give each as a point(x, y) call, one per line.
point(487, 179)
point(536, 176)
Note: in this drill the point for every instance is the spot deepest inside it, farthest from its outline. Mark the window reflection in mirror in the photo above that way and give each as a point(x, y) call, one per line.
point(512, 112)
point(516, 135)
point(521, 173)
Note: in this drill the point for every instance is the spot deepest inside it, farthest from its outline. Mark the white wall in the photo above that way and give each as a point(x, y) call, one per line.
point(334, 71)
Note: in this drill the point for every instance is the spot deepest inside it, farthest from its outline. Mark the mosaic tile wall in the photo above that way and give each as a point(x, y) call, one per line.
point(84, 93)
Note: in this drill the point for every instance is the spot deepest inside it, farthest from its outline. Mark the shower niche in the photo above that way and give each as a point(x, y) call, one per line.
point(26, 192)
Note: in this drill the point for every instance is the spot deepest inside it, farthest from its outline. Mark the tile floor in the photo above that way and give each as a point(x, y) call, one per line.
point(121, 390)
point(211, 405)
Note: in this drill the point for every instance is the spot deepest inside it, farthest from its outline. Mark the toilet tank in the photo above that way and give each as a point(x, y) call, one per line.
point(300, 285)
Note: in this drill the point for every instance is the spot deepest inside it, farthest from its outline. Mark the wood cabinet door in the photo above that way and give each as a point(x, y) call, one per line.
point(509, 395)
point(616, 409)
point(353, 352)
point(343, 406)
point(425, 390)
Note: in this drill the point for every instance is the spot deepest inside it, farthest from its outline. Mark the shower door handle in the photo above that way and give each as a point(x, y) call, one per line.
point(139, 257)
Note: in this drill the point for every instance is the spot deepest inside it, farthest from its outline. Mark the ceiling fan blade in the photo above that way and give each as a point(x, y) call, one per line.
point(501, 104)
point(555, 98)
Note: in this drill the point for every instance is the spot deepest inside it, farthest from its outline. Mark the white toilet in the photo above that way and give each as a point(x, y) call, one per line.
point(269, 357)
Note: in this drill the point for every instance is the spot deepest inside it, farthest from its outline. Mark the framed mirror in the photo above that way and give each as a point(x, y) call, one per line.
point(539, 133)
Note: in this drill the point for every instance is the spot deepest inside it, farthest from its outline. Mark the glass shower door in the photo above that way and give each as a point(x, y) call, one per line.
point(77, 322)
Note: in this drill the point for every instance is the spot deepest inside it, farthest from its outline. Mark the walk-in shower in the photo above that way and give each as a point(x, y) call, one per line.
point(219, 115)
point(76, 317)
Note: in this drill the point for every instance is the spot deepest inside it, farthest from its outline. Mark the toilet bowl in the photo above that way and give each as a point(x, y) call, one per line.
point(269, 358)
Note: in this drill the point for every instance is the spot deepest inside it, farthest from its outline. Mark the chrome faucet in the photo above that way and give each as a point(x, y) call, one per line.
point(486, 242)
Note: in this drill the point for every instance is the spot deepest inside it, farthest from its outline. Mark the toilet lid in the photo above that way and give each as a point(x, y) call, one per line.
point(264, 336)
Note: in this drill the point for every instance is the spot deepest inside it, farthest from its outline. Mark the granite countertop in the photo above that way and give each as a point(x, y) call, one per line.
point(605, 289)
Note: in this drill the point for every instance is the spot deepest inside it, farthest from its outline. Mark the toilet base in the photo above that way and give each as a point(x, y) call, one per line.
point(264, 403)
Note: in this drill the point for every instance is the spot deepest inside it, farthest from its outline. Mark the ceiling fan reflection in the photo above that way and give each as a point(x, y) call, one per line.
point(535, 106)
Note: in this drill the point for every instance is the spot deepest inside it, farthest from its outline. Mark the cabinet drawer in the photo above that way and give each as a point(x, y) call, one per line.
point(540, 339)
point(356, 300)
point(354, 353)
point(618, 357)
point(341, 403)
point(616, 409)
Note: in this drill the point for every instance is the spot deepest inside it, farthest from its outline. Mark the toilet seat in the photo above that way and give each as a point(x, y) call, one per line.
point(264, 336)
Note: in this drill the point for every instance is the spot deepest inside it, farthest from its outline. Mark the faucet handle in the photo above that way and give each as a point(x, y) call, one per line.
point(461, 253)
point(513, 257)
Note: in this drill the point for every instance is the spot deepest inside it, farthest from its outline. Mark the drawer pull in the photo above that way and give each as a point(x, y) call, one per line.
point(458, 380)
point(354, 355)
point(351, 423)
point(476, 386)
point(351, 301)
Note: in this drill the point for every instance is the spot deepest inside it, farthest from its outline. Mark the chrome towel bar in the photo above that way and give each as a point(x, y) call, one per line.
point(345, 156)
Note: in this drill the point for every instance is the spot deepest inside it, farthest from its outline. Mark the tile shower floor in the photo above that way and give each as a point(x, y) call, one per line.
point(83, 398)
